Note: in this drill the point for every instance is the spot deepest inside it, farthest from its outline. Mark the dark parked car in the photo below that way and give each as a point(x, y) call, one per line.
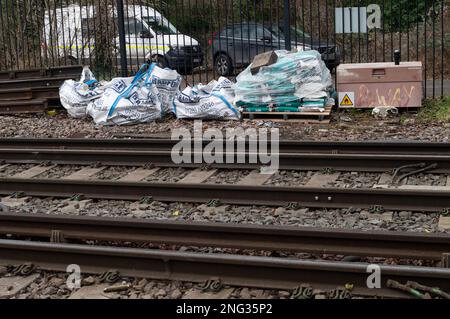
point(236, 45)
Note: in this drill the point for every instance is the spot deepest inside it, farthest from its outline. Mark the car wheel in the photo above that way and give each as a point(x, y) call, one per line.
point(160, 61)
point(223, 65)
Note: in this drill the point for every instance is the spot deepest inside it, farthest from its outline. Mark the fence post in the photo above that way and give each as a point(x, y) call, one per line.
point(287, 25)
point(122, 41)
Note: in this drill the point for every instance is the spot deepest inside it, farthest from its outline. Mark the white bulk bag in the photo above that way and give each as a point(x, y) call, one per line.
point(168, 84)
point(75, 96)
point(127, 101)
point(211, 101)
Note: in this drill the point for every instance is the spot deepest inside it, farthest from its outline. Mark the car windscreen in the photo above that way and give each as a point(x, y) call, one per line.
point(296, 34)
point(160, 25)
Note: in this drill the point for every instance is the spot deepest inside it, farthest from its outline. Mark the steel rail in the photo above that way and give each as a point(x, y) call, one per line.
point(46, 92)
point(270, 238)
point(286, 146)
point(235, 270)
point(391, 199)
point(34, 82)
point(23, 106)
point(287, 161)
point(73, 70)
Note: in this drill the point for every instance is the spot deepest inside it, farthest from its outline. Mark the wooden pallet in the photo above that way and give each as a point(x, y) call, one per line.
point(299, 117)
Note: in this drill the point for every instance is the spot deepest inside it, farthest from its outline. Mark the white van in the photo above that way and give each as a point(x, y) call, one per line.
point(69, 35)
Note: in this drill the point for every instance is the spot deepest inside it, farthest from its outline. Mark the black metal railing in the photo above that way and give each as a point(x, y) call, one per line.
point(204, 39)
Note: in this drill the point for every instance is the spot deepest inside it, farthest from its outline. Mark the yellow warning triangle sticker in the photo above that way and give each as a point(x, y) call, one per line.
point(346, 101)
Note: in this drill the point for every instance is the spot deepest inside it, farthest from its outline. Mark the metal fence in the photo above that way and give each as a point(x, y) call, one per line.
point(204, 39)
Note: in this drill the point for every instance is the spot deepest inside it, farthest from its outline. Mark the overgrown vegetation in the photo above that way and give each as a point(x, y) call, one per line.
point(435, 110)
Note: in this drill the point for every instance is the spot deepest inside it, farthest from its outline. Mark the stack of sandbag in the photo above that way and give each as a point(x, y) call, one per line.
point(212, 101)
point(75, 96)
point(297, 81)
point(128, 101)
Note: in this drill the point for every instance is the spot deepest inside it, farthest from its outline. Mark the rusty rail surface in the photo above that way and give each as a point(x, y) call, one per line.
point(23, 106)
point(389, 199)
point(30, 93)
point(286, 146)
point(287, 161)
point(235, 270)
point(270, 238)
point(33, 83)
point(72, 70)
point(28, 99)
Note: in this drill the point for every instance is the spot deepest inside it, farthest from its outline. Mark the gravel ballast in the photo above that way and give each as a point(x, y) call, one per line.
point(360, 127)
point(52, 285)
point(260, 215)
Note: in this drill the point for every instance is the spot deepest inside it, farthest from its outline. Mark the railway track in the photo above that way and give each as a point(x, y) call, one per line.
point(286, 146)
point(334, 277)
point(249, 237)
point(344, 156)
point(142, 158)
point(288, 161)
point(385, 199)
point(250, 190)
point(235, 270)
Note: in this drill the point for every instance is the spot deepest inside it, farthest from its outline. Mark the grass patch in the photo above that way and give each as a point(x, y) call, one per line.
point(435, 110)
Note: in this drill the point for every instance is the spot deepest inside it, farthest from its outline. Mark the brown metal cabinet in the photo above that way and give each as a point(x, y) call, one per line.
point(370, 85)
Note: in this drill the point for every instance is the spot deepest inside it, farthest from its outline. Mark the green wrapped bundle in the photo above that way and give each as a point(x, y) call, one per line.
point(245, 105)
point(314, 103)
point(296, 76)
point(257, 109)
point(287, 109)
